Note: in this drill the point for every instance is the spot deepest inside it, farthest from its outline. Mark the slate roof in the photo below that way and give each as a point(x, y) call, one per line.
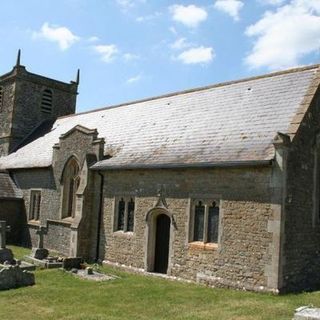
point(225, 123)
point(8, 190)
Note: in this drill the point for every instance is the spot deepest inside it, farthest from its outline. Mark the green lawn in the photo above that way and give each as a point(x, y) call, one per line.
point(59, 295)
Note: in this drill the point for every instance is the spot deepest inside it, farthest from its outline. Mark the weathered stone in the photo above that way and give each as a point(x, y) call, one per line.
point(14, 277)
point(307, 313)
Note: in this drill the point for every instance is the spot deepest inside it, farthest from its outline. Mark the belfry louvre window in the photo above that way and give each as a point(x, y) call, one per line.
point(46, 102)
point(35, 201)
point(125, 214)
point(205, 222)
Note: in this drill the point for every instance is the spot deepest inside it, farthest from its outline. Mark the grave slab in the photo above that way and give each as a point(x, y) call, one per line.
point(307, 313)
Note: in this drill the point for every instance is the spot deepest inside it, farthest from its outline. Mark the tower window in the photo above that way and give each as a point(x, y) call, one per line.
point(1, 98)
point(46, 102)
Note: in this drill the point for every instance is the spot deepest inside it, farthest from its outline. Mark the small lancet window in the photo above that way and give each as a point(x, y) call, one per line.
point(35, 201)
point(213, 223)
point(199, 222)
point(121, 212)
point(130, 215)
point(46, 102)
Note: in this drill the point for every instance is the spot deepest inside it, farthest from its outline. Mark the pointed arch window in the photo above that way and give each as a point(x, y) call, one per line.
point(70, 185)
point(46, 102)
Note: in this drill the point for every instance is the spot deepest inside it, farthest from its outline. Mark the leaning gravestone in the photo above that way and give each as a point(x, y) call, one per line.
point(5, 253)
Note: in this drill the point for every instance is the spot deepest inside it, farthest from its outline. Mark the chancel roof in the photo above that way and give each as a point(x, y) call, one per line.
point(225, 123)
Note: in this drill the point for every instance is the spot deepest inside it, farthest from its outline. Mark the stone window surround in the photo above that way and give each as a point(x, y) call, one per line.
point(127, 198)
point(64, 193)
point(206, 201)
point(31, 219)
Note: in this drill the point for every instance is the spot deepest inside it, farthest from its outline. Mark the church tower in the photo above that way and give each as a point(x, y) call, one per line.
point(29, 100)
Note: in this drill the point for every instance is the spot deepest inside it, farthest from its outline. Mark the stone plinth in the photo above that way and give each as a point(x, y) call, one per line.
point(307, 313)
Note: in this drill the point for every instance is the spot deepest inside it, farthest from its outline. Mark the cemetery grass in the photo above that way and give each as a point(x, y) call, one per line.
point(60, 295)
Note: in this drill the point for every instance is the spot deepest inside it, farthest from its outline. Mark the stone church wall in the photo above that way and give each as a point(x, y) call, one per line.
point(301, 257)
point(244, 252)
point(42, 179)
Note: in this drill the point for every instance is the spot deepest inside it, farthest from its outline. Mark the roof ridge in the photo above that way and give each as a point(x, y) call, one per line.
point(212, 86)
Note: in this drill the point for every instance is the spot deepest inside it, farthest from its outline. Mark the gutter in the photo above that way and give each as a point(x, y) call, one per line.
point(100, 215)
point(228, 164)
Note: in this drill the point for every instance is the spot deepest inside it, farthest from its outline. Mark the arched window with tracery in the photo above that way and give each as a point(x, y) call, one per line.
point(70, 185)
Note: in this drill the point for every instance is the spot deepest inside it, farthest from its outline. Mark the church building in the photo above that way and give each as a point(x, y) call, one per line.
point(218, 185)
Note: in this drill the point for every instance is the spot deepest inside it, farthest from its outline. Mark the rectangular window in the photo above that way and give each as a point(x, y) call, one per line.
point(35, 202)
point(213, 224)
point(125, 215)
point(199, 222)
point(121, 212)
point(130, 215)
point(205, 222)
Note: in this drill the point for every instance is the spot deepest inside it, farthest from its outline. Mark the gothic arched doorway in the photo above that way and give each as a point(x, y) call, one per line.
point(159, 236)
point(161, 254)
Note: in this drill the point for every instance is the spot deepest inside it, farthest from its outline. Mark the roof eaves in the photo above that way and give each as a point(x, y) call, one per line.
point(224, 164)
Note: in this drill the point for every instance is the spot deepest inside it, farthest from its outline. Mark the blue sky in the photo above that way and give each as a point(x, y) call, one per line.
point(132, 49)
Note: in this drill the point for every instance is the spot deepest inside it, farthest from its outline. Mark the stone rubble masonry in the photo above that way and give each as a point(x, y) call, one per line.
point(301, 253)
point(245, 248)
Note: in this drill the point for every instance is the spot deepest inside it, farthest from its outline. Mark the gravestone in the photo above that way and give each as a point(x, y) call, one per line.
point(40, 252)
point(5, 253)
point(307, 313)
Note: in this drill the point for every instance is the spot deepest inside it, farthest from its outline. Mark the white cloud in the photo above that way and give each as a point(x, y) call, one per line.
point(197, 55)
point(127, 4)
point(148, 17)
point(107, 52)
point(61, 35)
point(180, 44)
point(130, 56)
point(134, 79)
point(230, 7)
point(284, 36)
point(93, 39)
point(272, 2)
point(191, 16)
point(173, 30)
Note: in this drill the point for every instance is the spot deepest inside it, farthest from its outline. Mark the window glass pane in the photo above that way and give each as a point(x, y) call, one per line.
point(213, 224)
point(35, 201)
point(198, 222)
point(121, 209)
point(130, 215)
